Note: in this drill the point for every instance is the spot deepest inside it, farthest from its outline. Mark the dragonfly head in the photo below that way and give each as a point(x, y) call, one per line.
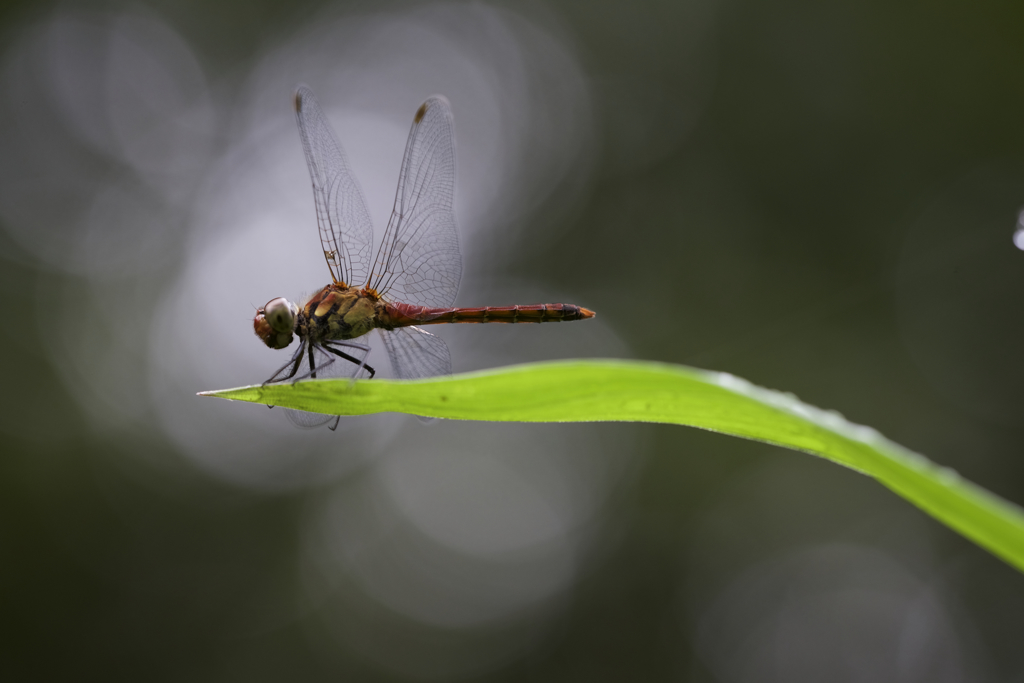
point(275, 322)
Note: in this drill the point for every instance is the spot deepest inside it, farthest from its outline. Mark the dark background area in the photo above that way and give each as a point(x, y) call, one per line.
point(819, 198)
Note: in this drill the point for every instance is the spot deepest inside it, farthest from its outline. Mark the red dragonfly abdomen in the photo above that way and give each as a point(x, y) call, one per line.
point(402, 315)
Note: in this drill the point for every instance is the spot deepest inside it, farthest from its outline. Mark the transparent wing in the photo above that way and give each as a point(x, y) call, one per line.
point(346, 231)
point(418, 261)
point(415, 353)
point(301, 418)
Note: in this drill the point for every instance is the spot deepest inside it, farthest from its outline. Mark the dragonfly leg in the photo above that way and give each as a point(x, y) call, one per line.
point(312, 364)
point(353, 345)
point(313, 367)
point(293, 363)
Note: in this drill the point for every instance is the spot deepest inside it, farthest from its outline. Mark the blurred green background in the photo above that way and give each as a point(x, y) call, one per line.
point(818, 197)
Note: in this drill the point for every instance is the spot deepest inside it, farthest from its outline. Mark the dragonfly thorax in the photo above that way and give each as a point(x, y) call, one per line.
point(338, 312)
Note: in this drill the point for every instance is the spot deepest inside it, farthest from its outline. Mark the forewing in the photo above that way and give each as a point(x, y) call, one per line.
point(415, 353)
point(418, 261)
point(346, 231)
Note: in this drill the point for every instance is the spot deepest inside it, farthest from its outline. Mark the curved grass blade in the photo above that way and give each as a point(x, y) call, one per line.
point(592, 391)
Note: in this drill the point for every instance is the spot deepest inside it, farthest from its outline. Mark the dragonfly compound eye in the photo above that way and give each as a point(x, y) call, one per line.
point(280, 315)
point(274, 323)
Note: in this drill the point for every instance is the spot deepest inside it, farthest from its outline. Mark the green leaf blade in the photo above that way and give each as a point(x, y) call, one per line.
point(611, 390)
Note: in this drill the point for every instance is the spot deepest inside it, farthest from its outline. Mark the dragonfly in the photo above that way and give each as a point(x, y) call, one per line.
point(412, 279)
